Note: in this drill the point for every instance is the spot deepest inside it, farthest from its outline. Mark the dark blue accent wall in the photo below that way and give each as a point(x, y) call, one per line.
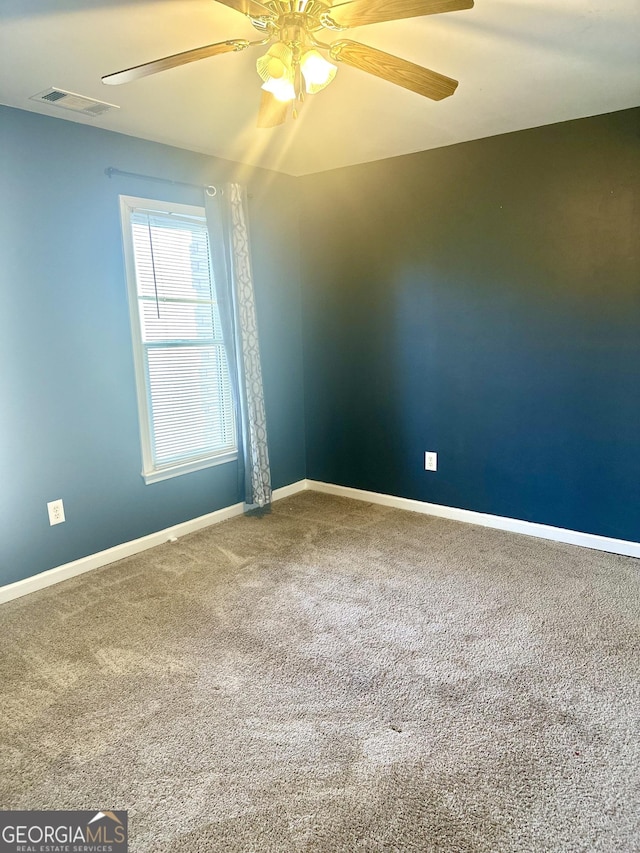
point(482, 301)
point(68, 416)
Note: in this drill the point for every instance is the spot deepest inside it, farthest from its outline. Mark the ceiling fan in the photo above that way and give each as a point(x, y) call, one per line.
point(293, 64)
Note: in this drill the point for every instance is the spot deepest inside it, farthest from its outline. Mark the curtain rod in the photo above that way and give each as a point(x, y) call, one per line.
point(210, 190)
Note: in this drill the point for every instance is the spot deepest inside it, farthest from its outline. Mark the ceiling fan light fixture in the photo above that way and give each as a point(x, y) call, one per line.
point(277, 62)
point(276, 69)
point(317, 71)
point(281, 88)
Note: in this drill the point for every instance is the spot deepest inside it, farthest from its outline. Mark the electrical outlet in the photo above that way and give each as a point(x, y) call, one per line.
point(56, 512)
point(430, 461)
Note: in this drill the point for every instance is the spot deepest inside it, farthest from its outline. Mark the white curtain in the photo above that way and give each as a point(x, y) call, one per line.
point(230, 251)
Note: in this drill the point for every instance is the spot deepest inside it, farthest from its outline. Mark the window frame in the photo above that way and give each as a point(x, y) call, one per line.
point(152, 473)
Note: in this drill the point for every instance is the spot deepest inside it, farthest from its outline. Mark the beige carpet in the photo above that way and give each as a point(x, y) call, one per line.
point(334, 677)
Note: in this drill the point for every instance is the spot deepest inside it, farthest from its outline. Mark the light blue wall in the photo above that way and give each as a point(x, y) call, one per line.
point(68, 417)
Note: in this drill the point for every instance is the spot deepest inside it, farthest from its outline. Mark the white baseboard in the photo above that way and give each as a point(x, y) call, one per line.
point(119, 552)
point(514, 525)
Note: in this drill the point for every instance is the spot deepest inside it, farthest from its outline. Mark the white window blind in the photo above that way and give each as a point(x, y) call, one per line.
point(185, 397)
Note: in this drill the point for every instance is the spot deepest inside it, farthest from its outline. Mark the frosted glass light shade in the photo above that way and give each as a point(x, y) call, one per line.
point(317, 71)
point(276, 69)
point(277, 62)
point(281, 88)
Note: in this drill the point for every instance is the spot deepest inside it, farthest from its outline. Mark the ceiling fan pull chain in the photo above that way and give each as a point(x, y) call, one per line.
point(297, 76)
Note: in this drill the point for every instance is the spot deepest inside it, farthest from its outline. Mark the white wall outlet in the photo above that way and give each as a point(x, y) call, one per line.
point(430, 461)
point(56, 512)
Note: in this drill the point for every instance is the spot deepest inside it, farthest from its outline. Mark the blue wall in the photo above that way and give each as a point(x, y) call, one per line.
point(68, 418)
point(482, 301)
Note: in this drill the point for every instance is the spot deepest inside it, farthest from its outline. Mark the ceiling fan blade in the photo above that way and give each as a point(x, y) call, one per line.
point(360, 12)
point(395, 70)
point(250, 8)
point(173, 61)
point(272, 112)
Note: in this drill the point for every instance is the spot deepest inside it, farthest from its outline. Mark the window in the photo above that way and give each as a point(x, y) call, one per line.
point(184, 393)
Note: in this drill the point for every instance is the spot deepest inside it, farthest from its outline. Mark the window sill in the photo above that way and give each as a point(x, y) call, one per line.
point(158, 474)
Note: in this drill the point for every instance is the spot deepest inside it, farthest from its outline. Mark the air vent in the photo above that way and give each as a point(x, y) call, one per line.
point(71, 101)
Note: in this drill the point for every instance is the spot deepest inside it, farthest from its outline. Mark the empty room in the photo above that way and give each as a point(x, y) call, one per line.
point(320, 426)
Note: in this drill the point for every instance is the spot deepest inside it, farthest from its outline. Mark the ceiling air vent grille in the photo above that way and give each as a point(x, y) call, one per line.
point(54, 95)
point(71, 101)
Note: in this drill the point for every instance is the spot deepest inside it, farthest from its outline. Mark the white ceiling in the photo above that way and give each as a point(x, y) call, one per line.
point(520, 63)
